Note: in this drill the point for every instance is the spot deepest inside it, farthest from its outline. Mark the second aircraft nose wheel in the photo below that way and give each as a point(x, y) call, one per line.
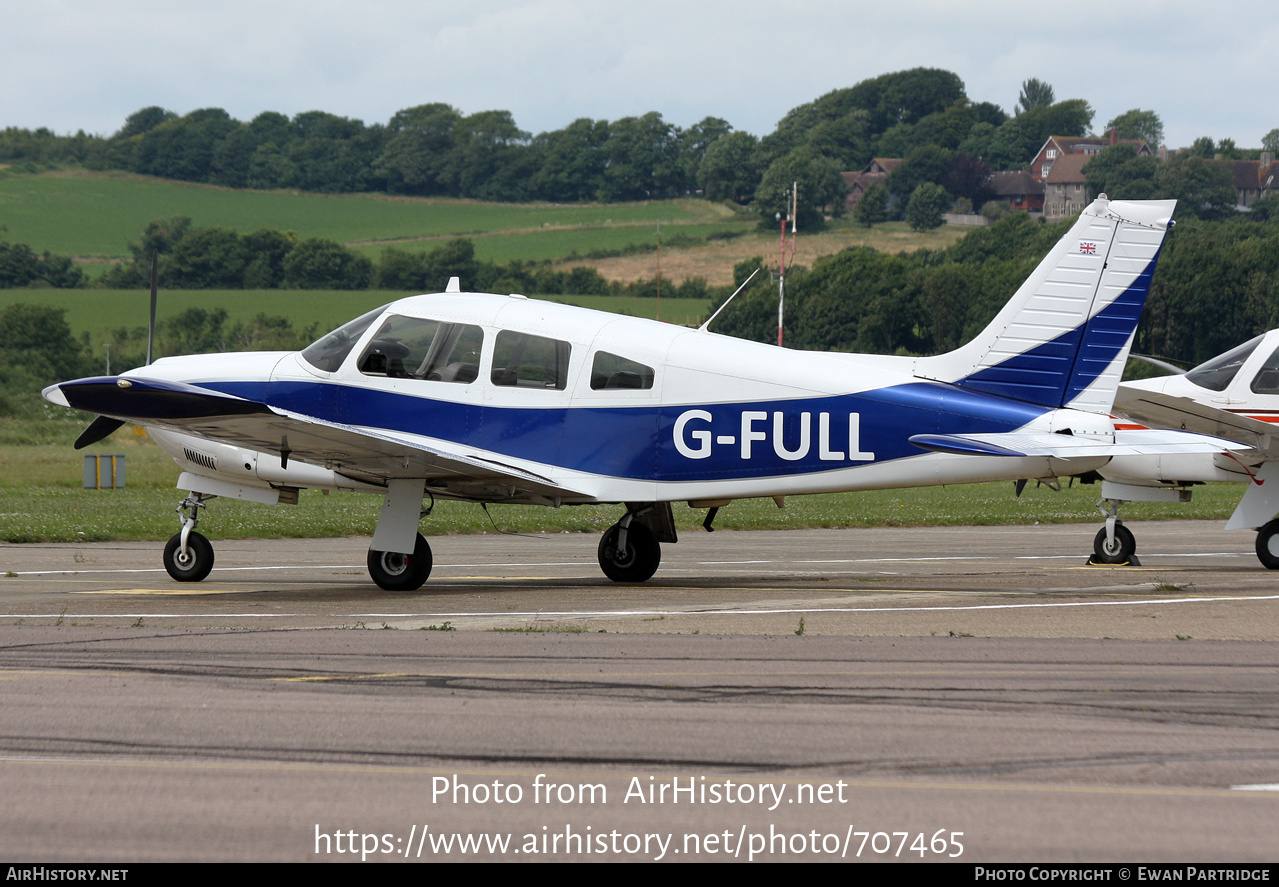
point(1118, 552)
point(1268, 545)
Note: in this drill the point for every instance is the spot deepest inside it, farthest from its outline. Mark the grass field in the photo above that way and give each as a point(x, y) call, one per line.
point(94, 215)
point(42, 500)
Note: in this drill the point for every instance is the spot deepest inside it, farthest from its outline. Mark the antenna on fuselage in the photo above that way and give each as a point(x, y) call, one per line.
point(455, 285)
point(702, 328)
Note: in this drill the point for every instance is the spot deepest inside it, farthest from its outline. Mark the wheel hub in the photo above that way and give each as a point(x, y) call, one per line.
point(395, 563)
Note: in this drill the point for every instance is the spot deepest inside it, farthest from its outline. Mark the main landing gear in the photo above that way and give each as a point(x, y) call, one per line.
point(630, 550)
point(393, 571)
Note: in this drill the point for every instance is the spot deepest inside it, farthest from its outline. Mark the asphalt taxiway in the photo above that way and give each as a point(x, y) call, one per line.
point(976, 694)
point(1195, 580)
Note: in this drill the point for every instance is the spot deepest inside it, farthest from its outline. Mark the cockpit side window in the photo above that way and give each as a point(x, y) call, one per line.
point(419, 348)
point(328, 352)
point(1267, 379)
point(1218, 373)
point(612, 371)
point(523, 360)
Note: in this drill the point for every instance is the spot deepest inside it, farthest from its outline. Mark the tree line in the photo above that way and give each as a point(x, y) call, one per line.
point(436, 150)
point(193, 257)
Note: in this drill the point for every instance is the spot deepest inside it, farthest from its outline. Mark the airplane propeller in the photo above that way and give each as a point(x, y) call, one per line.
point(103, 426)
point(99, 429)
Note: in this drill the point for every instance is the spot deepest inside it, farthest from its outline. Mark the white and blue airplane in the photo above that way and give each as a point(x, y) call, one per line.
point(1234, 395)
point(501, 398)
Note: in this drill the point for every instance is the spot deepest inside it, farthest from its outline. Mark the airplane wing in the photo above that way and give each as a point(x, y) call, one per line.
point(1144, 442)
point(360, 453)
point(1159, 410)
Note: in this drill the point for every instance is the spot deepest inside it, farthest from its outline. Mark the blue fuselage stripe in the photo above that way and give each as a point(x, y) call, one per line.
point(670, 442)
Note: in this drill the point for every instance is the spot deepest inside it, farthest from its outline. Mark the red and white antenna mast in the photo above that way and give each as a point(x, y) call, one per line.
point(781, 267)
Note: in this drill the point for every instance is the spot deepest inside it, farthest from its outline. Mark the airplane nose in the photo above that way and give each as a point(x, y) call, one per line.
point(54, 394)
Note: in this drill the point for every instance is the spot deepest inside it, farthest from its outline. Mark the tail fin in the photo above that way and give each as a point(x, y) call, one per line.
point(1063, 338)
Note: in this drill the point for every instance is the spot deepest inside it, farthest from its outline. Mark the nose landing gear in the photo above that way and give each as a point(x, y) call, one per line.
point(188, 556)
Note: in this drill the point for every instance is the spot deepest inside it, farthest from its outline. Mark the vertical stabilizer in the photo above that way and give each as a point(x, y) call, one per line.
point(1063, 338)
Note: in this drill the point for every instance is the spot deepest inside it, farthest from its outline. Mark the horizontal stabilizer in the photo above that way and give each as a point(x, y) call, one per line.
point(1065, 446)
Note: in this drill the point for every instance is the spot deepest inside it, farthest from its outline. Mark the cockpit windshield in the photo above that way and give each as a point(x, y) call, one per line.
point(1218, 373)
point(328, 352)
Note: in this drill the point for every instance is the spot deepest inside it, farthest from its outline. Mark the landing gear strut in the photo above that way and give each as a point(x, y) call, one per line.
point(393, 571)
point(629, 552)
point(188, 556)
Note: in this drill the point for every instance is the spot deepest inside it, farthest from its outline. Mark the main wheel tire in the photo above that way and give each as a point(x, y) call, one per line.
point(195, 565)
point(640, 559)
point(401, 572)
point(1121, 552)
point(1268, 545)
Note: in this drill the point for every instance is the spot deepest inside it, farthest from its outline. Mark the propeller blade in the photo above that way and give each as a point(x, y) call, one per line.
point(97, 430)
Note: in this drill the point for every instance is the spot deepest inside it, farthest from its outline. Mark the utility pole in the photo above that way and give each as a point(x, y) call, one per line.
point(781, 275)
point(659, 269)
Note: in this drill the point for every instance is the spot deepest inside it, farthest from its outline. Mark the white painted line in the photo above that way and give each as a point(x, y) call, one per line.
point(1263, 787)
point(702, 611)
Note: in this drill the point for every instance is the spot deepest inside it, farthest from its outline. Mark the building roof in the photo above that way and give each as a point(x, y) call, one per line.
point(1068, 170)
point(1021, 181)
point(1247, 173)
point(883, 165)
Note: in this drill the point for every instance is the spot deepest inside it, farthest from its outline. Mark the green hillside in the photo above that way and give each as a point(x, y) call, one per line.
point(94, 215)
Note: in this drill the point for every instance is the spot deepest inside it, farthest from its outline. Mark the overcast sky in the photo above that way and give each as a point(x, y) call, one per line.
point(1205, 68)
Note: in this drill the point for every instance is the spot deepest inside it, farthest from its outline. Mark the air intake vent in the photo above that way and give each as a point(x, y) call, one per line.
point(198, 458)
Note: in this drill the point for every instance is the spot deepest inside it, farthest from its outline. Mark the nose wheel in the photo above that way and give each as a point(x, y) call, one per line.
point(1268, 545)
point(191, 564)
point(188, 556)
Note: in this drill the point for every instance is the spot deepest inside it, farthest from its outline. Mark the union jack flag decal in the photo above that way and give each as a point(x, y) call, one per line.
point(1088, 249)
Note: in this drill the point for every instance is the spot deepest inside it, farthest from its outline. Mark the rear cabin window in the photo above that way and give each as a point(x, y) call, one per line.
point(612, 371)
point(522, 360)
point(417, 348)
